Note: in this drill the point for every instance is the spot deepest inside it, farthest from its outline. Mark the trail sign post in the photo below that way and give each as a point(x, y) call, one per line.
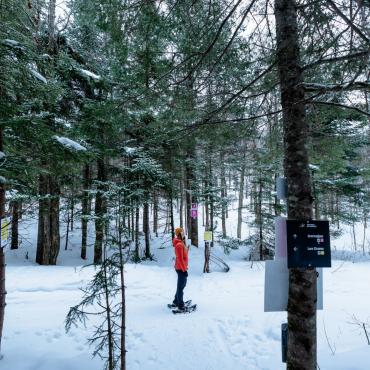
point(277, 272)
point(208, 237)
point(5, 231)
point(308, 243)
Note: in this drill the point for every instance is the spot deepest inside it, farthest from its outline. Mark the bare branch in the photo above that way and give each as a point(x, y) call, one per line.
point(349, 22)
point(314, 102)
point(235, 120)
point(236, 95)
point(350, 86)
point(360, 54)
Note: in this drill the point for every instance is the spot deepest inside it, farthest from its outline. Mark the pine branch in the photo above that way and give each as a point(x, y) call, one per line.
point(233, 36)
point(212, 44)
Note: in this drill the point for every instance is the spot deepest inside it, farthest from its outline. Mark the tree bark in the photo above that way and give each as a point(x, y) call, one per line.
point(181, 211)
point(137, 241)
point(15, 224)
point(54, 220)
point(240, 202)
point(48, 237)
point(223, 196)
point(146, 229)
point(172, 218)
point(100, 211)
point(155, 213)
point(191, 198)
point(86, 183)
point(259, 218)
point(2, 254)
point(302, 345)
point(51, 24)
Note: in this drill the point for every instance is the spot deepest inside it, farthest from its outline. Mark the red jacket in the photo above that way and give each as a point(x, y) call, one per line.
point(181, 253)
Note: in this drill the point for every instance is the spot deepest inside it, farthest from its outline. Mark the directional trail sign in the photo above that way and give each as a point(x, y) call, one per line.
point(308, 243)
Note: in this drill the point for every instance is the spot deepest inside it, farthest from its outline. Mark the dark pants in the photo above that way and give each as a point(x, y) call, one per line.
point(181, 283)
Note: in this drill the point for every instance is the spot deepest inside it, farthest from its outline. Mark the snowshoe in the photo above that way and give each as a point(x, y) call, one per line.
point(173, 306)
point(186, 309)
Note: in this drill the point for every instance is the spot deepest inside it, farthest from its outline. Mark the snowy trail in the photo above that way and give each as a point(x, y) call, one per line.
point(228, 331)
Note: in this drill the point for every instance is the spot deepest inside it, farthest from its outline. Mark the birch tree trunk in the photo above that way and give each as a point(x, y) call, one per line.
point(302, 345)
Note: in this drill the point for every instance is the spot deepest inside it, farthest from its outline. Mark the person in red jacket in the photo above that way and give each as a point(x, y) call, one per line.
point(181, 267)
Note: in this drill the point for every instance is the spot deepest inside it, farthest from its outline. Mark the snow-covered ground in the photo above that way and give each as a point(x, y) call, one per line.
point(228, 331)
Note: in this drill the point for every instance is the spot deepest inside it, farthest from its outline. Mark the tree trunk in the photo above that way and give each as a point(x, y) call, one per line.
point(302, 345)
point(51, 24)
point(172, 219)
point(155, 213)
point(207, 253)
point(54, 220)
point(48, 237)
point(109, 320)
point(72, 207)
point(181, 211)
point(123, 307)
point(43, 234)
point(100, 211)
point(146, 229)
point(137, 241)
point(132, 221)
point(223, 196)
point(67, 230)
point(191, 198)
point(206, 206)
point(316, 199)
point(15, 224)
point(86, 182)
point(2, 254)
point(240, 202)
point(260, 219)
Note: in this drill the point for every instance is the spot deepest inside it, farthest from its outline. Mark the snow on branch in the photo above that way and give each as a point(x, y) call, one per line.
point(90, 74)
point(357, 85)
point(36, 74)
point(68, 143)
point(12, 43)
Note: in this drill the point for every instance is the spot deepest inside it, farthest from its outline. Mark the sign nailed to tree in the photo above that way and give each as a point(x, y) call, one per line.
point(5, 230)
point(208, 237)
point(308, 243)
